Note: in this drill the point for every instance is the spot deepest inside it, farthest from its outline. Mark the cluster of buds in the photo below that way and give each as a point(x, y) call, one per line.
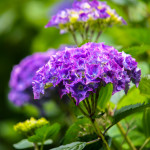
point(29, 126)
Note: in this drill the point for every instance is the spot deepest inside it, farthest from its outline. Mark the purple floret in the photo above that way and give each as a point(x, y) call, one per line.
point(80, 71)
point(21, 77)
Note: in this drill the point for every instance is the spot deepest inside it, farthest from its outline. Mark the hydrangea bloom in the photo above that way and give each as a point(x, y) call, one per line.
point(80, 71)
point(21, 78)
point(94, 14)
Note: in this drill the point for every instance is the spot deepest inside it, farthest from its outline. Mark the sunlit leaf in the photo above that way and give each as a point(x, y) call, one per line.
point(23, 144)
point(144, 85)
point(72, 146)
point(105, 94)
point(133, 97)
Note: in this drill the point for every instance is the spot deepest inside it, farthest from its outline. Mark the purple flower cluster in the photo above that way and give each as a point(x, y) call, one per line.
point(21, 77)
point(93, 13)
point(80, 71)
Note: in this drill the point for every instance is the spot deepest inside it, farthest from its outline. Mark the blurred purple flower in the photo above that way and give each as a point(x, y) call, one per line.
point(21, 78)
point(95, 14)
point(80, 71)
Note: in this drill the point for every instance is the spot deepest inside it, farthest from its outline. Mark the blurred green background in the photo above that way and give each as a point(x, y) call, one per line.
point(22, 33)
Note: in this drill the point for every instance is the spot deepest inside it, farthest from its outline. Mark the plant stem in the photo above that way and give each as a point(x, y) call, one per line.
point(82, 35)
point(99, 133)
point(92, 33)
point(74, 37)
point(80, 108)
point(93, 104)
point(108, 129)
point(98, 35)
point(86, 32)
point(96, 100)
point(36, 146)
point(93, 141)
point(125, 136)
point(94, 123)
point(145, 143)
point(42, 145)
point(88, 103)
point(87, 108)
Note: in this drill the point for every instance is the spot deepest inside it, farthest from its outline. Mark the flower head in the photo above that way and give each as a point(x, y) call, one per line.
point(21, 77)
point(85, 13)
point(80, 71)
point(29, 126)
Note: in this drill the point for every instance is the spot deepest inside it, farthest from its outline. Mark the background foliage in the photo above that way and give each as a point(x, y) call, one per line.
point(22, 33)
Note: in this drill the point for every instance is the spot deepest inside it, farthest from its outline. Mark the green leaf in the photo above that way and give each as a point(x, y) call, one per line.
point(44, 133)
point(85, 41)
point(72, 146)
point(136, 50)
point(128, 110)
point(105, 94)
point(26, 144)
point(130, 99)
point(47, 142)
point(144, 85)
point(23, 144)
point(146, 122)
point(73, 131)
point(136, 35)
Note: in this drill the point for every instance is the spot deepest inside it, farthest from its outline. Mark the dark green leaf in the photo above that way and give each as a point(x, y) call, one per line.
point(144, 85)
point(105, 94)
point(94, 143)
point(128, 110)
point(23, 144)
point(146, 122)
point(72, 146)
point(44, 133)
point(73, 131)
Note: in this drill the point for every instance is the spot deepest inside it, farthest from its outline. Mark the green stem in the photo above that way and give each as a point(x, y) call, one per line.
point(96, 99)
point(86, 32)
point(99, 133)
point(145, 143)
point(74, 37)
point(88, 103)
point(94, 123)
point(91, 37)
point(87, 108)
point(107, 129)
point(93, 104)
point(80, 108)
point(98, 35)
point(93, 141)
point(125, 136)
point(36, 146)
point(42, 145)
point(82, 35)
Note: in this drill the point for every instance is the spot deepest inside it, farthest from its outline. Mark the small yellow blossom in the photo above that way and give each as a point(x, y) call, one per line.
point(28, 127)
